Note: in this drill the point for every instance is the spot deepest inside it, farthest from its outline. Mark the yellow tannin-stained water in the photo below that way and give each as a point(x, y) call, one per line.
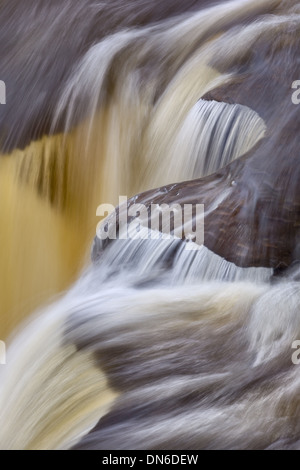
point(150, 345)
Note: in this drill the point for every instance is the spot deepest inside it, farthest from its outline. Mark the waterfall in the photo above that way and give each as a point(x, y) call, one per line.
point(149, 345)
point(182, 352)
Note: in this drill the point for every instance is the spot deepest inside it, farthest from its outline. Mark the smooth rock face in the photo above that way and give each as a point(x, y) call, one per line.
point(164, 349)
point(257, 224)
point(264, 207)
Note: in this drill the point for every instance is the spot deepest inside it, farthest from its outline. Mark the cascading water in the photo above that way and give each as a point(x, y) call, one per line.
point(155, 346)
point(184, 352)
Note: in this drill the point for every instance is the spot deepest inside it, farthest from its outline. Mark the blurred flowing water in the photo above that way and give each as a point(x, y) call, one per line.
point(171, 348)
